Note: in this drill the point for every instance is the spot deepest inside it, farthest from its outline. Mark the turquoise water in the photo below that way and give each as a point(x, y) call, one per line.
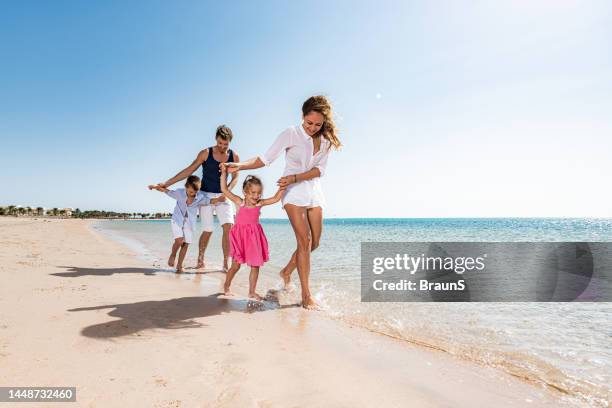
point(562, 345)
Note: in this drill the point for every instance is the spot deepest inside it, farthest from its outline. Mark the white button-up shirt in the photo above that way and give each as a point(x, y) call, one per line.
point(298, 147)
point(186, 215)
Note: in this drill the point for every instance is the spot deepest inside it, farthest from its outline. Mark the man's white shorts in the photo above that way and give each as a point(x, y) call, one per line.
point(224, 210)
point(182, 232)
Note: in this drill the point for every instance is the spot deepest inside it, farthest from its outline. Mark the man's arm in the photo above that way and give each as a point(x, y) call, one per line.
point(189, 170)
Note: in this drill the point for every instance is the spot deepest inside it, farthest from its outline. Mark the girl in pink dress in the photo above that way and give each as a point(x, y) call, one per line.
point(248, 243)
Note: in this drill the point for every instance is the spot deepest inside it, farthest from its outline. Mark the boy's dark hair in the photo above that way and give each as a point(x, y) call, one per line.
point(193, 182)
point(224, 133)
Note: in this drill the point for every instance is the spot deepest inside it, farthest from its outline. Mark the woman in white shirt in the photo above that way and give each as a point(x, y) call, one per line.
point(307, 147)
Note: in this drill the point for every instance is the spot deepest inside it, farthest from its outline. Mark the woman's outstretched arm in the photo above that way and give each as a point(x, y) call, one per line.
point(250, 164)
point(282, 143)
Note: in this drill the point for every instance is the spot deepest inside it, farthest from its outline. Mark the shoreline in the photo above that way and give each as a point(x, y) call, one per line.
point(189, 350)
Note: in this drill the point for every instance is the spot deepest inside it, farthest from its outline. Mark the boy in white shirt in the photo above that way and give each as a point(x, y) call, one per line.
point(184, 217)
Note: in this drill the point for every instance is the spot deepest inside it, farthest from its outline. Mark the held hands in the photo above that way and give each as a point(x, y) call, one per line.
point(230, 167)
point(159, 187)
point(284, 182)
point(217, 200)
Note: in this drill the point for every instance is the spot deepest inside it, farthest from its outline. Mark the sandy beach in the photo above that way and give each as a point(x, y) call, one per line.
point(77, 309)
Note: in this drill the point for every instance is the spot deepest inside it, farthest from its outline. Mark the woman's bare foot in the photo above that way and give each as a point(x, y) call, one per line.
point(286, 277)
point(171, 260)
point(179, 269)
point(310, 304)
point(256, 296)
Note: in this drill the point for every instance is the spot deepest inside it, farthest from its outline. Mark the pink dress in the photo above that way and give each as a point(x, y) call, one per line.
point(248, 243)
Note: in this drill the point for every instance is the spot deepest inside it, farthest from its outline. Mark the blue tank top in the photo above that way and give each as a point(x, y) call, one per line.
point(211, 176)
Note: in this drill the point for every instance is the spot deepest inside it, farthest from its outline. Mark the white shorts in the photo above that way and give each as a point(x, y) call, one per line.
point(224, 210)
point(306, 193)
point(182, 232)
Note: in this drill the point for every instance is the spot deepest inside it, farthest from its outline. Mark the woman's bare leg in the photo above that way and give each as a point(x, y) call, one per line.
point(315, 220)
point(182, 253)
point(175, 247)
point(301, 228)
point(253, 283)
point(230, 276)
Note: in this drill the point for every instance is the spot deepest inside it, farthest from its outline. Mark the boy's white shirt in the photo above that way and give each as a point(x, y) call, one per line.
point(181, 209)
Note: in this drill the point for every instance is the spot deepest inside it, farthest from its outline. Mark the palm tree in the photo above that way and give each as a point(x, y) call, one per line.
point(11, 209)
point(40, 210)
point(54, 211)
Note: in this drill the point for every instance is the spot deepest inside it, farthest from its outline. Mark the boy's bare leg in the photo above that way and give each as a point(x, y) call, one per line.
point(230, 276)
point(175, 247)
point(225, 244)
point(182, 253)
point(253, 283)
point(202, 244)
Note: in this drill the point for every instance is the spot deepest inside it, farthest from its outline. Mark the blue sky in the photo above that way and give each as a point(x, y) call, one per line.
point(447, 109)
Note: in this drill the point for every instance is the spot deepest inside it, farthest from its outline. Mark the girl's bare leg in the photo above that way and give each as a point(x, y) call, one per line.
point(230, 276)
point(253, 283)
point(315, 220)
point(182, 253)
point(175, 247)
point(301, 228)
point(225, 244)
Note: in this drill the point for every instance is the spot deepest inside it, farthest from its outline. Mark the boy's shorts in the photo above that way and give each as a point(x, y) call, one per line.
point(185, 232)
point(224, 211)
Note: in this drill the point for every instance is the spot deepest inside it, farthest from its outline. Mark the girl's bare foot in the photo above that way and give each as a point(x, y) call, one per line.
point(171, 260)
point(255, 296)
point(310, 304)
point(179, 269)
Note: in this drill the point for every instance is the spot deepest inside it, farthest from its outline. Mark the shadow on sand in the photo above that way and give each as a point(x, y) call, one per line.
point(170, 314)
point(75, 271)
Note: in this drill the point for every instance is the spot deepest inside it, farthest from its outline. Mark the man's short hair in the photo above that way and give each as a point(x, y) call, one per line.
point(224, 133)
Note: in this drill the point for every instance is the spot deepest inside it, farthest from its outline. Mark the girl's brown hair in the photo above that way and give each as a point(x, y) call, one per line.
point(321, 104)
point(251, 181)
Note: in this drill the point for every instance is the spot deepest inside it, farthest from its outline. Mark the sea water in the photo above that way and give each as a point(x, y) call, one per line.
point(565, 346)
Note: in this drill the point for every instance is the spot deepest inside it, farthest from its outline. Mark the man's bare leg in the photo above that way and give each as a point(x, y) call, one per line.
point(203, 243)
point(225, 244)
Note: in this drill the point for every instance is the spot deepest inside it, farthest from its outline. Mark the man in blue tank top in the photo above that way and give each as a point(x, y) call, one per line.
point(209, 159)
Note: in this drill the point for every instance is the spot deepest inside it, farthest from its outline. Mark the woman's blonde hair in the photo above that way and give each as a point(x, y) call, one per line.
point(321, 104)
